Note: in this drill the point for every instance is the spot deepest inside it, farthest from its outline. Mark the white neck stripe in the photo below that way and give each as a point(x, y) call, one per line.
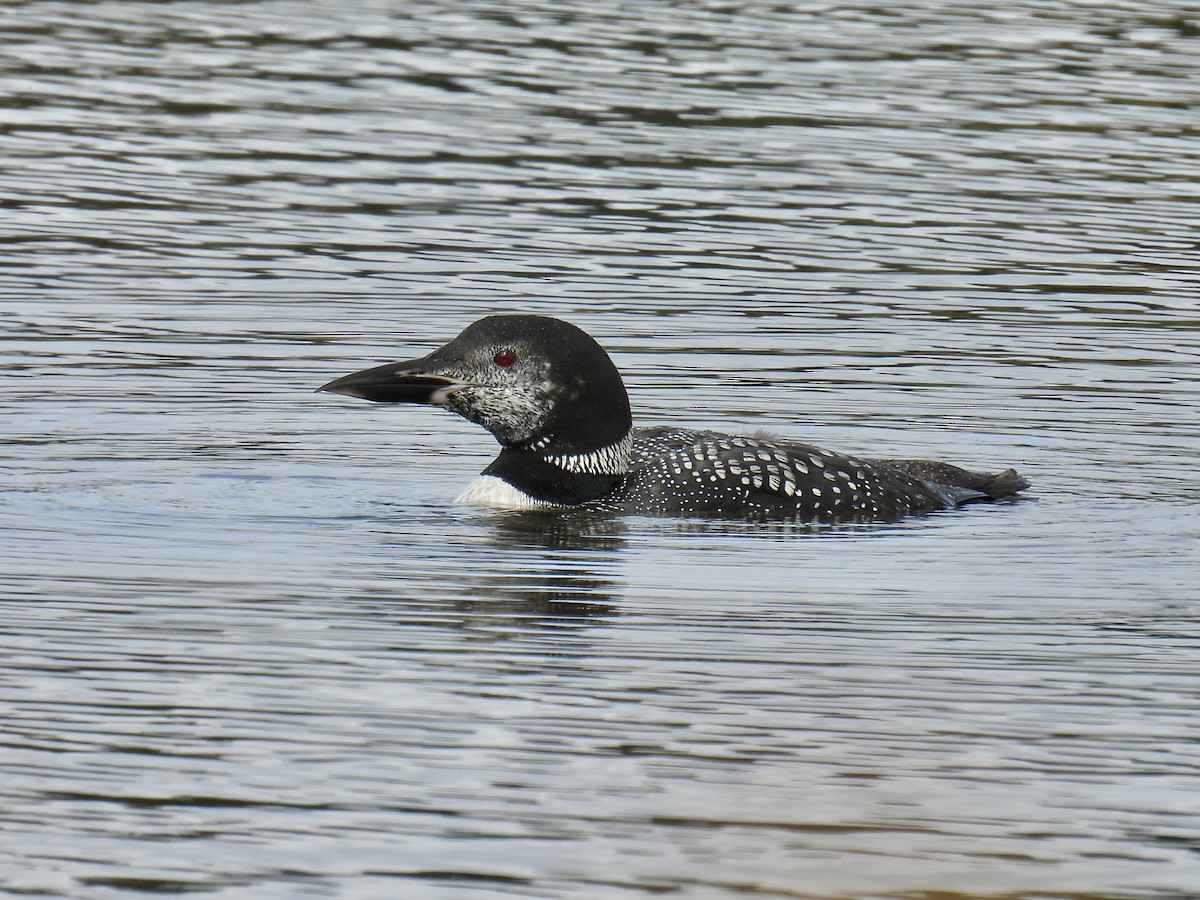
point(610, 460)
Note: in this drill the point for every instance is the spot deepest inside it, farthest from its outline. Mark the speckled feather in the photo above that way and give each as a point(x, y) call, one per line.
point(684, 471)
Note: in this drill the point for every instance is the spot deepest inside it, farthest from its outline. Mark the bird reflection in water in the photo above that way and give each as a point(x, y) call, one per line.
point(567, 573)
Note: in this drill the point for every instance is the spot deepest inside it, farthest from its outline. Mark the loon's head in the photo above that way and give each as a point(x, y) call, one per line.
point(536, 383)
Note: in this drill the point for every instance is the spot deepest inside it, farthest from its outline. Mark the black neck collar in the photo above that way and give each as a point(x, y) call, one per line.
point(541, 479)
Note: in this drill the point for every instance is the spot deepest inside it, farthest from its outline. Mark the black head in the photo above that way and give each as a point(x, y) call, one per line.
point(534, 382)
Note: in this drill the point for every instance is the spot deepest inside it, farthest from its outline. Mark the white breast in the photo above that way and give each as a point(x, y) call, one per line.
point(496, 493)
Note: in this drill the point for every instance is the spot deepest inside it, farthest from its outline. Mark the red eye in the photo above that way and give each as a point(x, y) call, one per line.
point(505, 358)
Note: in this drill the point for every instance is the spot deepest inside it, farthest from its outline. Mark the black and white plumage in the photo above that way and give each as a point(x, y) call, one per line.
point(556, 403)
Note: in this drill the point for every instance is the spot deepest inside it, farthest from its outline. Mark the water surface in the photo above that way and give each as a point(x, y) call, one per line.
point(252, 647)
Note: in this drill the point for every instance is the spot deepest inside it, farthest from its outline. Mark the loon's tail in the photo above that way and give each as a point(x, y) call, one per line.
point(1005, 484)
point(965, 485)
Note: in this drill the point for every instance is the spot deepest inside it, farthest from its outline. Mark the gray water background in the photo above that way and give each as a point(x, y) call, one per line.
point(252, 649)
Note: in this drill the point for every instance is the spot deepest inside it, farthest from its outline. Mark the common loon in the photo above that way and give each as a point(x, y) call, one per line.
point(556, 403)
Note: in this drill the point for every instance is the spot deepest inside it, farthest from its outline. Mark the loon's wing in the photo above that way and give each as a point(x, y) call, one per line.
point(688, 471)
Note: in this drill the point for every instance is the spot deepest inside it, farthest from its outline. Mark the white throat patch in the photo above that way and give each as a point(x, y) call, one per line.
point(496, 493)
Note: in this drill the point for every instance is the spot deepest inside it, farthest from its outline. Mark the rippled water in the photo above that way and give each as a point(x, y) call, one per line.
point(253, 649)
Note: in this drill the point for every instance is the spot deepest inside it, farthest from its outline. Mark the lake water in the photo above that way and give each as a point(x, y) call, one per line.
point(252, 648)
